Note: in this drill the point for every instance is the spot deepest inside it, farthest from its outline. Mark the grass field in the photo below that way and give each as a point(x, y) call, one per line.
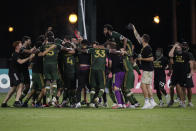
point(102, 119)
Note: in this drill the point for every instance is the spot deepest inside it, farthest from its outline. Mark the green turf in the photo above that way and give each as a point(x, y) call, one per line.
point(102, 119)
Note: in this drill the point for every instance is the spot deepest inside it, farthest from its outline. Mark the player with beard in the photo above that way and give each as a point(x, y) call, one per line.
point(123, 42)
point(182, 67)
point(146, 60)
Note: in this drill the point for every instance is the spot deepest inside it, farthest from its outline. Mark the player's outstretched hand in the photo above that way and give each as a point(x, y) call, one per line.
point(130, 26)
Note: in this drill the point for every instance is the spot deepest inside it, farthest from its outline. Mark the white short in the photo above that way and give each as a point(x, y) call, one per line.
point(147, 77)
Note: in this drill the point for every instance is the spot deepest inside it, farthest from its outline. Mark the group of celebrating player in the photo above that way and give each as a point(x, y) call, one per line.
point(72, 65)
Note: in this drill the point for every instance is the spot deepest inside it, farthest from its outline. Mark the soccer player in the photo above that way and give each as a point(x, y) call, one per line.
point(160, 64)
point(37, 88)
point(84, 69)
point(69, 73)
point(146, 61)
point(122, 42)
point(50, 61)
point(118, 71)
point(109, 77)
point(15, 74)
point(182, 66)
point(97, 72)
point(189, 83)
point(25, 51)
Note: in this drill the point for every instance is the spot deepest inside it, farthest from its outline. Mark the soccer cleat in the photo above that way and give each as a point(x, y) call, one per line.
point(147, 105)
point(124, 106)
point(72, 106)
point(118, 106)
point(63, 104)
point(37, 105)
point(182, 105)
point(100, 104)
point(92, 105)
point(78, 105)
point(45, 105)
point(137, 104)
point(4, 105)
point(153, 103)
point(190, 104)
point(127, 105)
point(161, 104)
point(105, 105)
point(167, 99)
point(114, 104)
point(25, 104)
point(170, 103)
point(131, 106)
point(83, 102)
point(177, 100)
point(17, 104)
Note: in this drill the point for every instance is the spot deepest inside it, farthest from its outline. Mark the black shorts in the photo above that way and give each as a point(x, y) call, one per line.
point(189, 82)
point(26, 76)
point(15, 79)
point(178, 79)
point(159, 83)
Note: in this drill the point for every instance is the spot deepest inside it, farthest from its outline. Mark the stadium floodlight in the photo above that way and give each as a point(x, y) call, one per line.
point(10, 29)
point(73, 18)
point(156, 19)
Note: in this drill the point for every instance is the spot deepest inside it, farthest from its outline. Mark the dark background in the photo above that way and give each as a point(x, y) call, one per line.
point(32, 17)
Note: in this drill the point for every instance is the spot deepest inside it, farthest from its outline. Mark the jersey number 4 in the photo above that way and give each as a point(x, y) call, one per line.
point(69, 61)
point(99, 53)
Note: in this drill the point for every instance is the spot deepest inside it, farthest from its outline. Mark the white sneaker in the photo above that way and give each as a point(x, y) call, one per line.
point(153, 103)
point(147, 105)
point(167, 97)
point(177, 100)
point(132, 106)
point(100, 104)
point(92, 105)
point(182, 105)
point(161, 104)
point(137, 104)
point(78, 105)
point(190, 104)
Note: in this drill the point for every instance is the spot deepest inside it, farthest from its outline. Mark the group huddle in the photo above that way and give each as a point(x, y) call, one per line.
point(74, 65)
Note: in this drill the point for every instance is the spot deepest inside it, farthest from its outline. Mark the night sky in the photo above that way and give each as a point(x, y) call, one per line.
point(32, 17)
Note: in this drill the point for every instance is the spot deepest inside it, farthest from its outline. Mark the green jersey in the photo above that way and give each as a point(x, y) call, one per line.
point(69, 63)
point(118, 39)
point(52, 56)
point(98, 58)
